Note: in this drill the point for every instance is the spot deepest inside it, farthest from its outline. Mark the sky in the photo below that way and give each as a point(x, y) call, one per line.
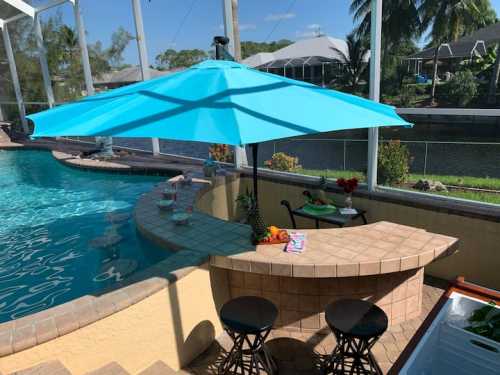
point(186, 24)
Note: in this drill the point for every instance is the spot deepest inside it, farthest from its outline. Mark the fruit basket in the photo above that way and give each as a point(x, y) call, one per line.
point(273, 236)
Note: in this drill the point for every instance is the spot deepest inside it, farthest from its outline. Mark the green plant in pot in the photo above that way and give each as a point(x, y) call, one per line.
point(249, 204)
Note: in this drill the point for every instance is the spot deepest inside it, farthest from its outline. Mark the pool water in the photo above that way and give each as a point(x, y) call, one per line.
point(65, 233)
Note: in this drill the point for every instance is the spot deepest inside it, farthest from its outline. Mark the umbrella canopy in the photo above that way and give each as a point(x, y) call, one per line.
point(218, 102)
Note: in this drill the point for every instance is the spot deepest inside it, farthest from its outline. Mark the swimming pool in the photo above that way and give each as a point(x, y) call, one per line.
point(65, 233)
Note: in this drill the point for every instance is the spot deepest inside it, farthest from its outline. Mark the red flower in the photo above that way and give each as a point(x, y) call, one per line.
point(348, 185)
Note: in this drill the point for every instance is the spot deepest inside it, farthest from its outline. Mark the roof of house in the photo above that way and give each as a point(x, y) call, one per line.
point(474, 44)
point(259, 59)
point(458, 49)
point(130, 74)
point(323, 47)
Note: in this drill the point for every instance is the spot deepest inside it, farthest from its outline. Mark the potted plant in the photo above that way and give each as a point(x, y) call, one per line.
point(210, 167)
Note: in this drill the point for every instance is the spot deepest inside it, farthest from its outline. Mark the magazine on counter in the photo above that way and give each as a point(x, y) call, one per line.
point(297, 243)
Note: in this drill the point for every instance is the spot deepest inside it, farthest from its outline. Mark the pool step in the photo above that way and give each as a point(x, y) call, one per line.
point(111, 368)
point(46, 368)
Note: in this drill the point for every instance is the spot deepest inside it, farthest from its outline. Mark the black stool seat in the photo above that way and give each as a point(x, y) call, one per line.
point(356, 318)
point(357, 325)
point(248, 321)
point(248, 314)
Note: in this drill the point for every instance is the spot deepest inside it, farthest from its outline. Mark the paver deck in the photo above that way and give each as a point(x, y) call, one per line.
point(302, 353)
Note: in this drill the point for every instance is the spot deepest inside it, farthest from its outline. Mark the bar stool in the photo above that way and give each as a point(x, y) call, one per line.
point(357, 325)
point(248, 321)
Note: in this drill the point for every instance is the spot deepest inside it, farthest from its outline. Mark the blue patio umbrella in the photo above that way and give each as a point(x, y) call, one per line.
point(218, 102)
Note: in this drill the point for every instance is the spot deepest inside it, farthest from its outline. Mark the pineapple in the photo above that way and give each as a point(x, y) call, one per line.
point(254, 219)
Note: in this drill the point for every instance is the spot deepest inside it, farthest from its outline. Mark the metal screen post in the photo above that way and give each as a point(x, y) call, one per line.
point(143, 56)
point(106, 142)
point(240, 155)
point(42, 55)
point(15, 78)
point(375, 51)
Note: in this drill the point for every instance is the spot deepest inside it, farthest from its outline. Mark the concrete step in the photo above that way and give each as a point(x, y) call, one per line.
point(46, 368)
point(4, 138)
point(111, 368)
point(159, 368)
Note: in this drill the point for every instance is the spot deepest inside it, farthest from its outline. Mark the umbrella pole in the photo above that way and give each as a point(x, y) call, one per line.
point(255, 152)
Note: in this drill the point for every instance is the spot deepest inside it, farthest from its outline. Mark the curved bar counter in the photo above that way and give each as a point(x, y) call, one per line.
point(382, 262)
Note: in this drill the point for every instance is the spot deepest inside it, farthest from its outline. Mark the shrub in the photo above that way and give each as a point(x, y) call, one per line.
point(282, 162)
point(421, 89)
point(407, 96)
point(462, 88)
point(222, 153)
point(393, 163)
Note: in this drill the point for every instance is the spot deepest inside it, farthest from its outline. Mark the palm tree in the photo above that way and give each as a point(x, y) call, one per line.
point(400, 19)
point(354, 60)
point(451, 19)
point(69, 41)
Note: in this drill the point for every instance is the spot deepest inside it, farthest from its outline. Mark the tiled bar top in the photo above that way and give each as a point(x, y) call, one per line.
point(371, 249)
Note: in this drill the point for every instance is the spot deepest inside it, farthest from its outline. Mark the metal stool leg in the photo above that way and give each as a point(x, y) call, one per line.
point(352, 355)
point(260, 358)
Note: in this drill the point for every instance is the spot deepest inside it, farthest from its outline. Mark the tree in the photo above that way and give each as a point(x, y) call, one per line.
point(249, 48)
point(354, 60)
point(400, 19)
point(119, 41)
point(449, 20)
point(63, 57)
point(170, 58)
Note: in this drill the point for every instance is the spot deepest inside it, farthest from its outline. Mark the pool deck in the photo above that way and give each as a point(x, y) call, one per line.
point(297, 352)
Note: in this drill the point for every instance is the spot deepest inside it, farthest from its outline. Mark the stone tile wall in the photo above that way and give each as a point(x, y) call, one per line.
point(301, 301)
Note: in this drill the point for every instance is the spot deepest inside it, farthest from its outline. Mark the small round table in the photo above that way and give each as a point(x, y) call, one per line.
point(357, 325)
point(248, 321)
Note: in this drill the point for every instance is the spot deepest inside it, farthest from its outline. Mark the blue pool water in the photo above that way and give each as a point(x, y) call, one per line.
point(65, 233)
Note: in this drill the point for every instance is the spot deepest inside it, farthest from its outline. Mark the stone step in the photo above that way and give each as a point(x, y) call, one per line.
point(46, 368)
point(158, 368)
point(4, 138)
point(111, 368)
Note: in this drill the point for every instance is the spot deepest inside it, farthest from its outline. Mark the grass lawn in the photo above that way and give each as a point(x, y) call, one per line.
point(472, 195)
point(465, 181)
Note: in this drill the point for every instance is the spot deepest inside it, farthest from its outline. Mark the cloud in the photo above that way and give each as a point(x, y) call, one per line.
point(306, 34)
point(312, 30)
point(314, 26)
point(247, 26)
point(243, 26)
point(279, 16)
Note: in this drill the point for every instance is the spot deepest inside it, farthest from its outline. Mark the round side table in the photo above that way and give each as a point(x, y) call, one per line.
point(357, 325)
point(248, 321)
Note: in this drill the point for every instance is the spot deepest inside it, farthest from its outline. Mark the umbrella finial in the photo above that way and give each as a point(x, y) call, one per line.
point(221, 52)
